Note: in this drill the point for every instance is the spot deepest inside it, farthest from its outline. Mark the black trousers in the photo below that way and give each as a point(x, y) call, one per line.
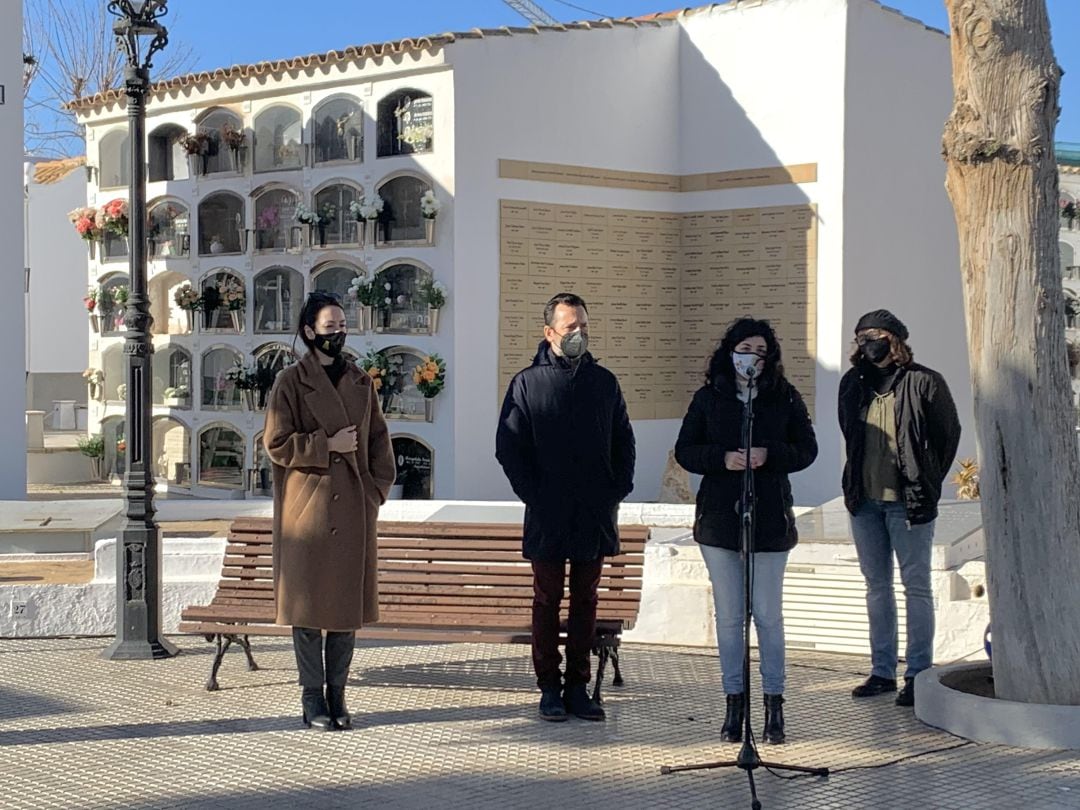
point(308, 646)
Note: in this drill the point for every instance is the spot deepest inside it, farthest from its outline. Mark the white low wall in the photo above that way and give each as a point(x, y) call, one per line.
point(57, 466)
point(823, 589)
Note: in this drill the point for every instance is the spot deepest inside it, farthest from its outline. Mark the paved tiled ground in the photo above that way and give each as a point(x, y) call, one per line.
point(454, 726)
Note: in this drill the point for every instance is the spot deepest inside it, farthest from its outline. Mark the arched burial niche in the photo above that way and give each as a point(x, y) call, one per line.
point(168, 232)
point(169, 317)
point(279, 296)
point(219, 393)
point(333, 202)
point(403, 309)
point(398, 393)
point(171, 368)
point(338, 127)
point(415, 468)
point(172, 451)
point(222, 452)
point(406, 123)
point(213, 125)
point(114, 160)
point(401, 219)
point(221, 224)
point(165, 157)
point(279, 139)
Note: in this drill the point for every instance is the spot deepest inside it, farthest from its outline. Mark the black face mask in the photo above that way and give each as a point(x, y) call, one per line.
point(332, 344)
point(876, 350)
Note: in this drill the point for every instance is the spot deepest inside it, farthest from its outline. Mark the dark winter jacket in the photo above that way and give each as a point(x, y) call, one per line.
point(566, 445)
point(713, 427)
point(927, 435)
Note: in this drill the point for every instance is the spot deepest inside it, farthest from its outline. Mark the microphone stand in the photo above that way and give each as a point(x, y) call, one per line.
point(748, 759)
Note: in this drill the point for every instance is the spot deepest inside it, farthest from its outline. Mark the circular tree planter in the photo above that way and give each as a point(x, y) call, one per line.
point(959, 699)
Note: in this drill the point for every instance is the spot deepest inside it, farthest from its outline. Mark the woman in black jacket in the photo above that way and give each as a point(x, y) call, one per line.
point(710, 444)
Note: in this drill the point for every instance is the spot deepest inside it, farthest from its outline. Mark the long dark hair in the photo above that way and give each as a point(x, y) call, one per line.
point(316, 302)
point(720, 365)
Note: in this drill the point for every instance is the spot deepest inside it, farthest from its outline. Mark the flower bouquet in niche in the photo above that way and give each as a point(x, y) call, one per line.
point(189, 300)
point(85, 221)
point(246, 381)
point(366, 211)
point(430, 379)
point(433, 293)
point(429, 209)
point(197, 147)
point(120, 296)
point(94, 378)
point(112, 218)
point(377, 365)
point(90, 301)
point(234, 300)
point(235, 139)
point(176, 396)
point(316, 220)
point(366, 295)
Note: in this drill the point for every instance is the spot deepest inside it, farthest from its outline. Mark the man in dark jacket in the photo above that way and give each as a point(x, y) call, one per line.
point(901, 431)
point(567, 447)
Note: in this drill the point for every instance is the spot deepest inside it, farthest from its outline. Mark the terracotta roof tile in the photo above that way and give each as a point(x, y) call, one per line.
point(53, 171)
point(381, 50)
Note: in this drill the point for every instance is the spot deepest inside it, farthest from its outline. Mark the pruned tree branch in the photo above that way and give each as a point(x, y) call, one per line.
point(69, 52)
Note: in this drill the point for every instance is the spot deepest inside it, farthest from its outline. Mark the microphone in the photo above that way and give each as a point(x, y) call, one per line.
point(751, 372)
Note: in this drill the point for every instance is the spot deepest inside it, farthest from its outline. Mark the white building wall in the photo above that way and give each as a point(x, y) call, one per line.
point(12, 303)
point(764, 86)
point(900, 246)
point(57, 341)
point(607, 98)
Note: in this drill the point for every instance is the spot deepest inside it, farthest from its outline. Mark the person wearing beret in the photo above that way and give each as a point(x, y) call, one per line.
point(901, 432)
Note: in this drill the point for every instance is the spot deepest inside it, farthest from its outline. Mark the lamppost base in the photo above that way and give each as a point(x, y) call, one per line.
point(134, 650)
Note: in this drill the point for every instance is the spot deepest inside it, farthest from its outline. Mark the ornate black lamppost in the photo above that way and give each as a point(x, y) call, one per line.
point(139, 35)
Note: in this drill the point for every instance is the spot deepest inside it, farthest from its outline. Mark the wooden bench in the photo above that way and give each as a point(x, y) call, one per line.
point(437, 582)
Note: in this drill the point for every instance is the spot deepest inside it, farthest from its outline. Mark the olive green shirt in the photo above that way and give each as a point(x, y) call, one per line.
point(881, 464)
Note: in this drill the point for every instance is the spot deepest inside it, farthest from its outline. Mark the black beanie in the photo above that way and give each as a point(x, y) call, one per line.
point(882, 319)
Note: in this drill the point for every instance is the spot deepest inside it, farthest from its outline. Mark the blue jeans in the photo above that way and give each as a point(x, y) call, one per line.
point(726, 573)
point(880, 528)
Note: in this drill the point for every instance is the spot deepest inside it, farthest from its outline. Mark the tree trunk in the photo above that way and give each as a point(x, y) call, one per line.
point(1002, 180)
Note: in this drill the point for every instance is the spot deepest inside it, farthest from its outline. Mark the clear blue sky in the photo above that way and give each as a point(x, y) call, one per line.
point(243, 31)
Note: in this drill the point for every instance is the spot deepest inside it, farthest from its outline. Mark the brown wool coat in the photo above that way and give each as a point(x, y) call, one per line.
point(326, 504)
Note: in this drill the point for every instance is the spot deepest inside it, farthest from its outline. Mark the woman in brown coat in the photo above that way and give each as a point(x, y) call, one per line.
point(333, 467)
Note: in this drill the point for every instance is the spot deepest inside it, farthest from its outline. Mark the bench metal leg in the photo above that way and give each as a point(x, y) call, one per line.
point(212, 683)
point(617, 680)
point(603, 652)
point(243, 641)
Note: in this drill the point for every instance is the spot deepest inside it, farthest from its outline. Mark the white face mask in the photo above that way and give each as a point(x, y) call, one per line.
point(745, 364)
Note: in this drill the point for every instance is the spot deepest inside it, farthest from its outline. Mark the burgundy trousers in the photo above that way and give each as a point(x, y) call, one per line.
point(548, 584)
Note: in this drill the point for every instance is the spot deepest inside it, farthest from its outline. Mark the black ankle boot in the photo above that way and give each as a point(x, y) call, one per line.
point(774, 719)
point(316, 714)
point(733, 719)
point(335, 699)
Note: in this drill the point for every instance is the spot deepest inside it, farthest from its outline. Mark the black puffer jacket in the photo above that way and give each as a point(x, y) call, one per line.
point(711, 428)
point(566, 444)
point(927, 435)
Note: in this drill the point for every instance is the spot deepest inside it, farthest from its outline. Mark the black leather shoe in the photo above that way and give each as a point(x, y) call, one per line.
point(873, 686)
point(551, 706)
point(733, 719)
point(907, 694)
point(579, 703)
point(339, 713)
point(774, 720)
point(316, 714)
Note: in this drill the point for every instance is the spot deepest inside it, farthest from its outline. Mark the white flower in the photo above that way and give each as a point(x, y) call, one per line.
point(429, 204)
point(386, 286)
